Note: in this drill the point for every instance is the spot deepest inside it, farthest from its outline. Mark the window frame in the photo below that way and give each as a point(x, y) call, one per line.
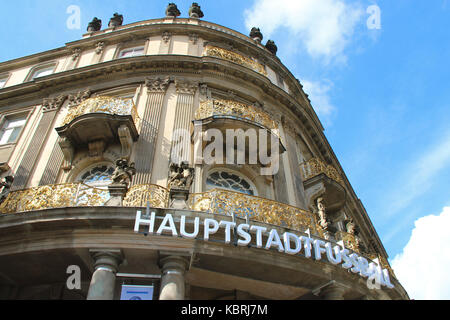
point(5, 77)
point(8, 118)
point(233, 172)
point(128, 48)
point(31, 75)
point(78, 177)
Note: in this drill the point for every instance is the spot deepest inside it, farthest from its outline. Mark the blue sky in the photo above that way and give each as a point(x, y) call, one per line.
point(382, 94)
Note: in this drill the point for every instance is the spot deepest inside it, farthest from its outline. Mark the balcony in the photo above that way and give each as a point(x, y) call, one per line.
point(106, 105)
point(216, 52)
point(323, 180)
point(97, 122)
point(228, 114)
point(255, 208)
point(54, 196)
point(79, 195)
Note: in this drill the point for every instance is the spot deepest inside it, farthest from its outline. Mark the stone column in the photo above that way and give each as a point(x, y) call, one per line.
point(184, 115)
point(146, 145)
point(172, 280)
point(104, 278)
point(333, 292)
point(50, 108)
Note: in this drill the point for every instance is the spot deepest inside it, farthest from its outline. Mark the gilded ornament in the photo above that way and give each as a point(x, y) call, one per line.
point(216, 107)
point(224, 202)
point(315, 166)
point(107, 105)
point(217, 52)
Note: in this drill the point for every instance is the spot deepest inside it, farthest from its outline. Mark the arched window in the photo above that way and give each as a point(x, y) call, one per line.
point(41, 71)
point(97, 176)
point(94, 188)
point(230, 181)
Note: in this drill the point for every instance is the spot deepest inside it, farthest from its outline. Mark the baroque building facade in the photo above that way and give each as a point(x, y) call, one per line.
point(87, 137)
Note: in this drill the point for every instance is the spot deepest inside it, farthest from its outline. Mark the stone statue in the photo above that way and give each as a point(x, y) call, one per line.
point(256, 34)
point(94, 25)
point(195, 11)
point(172, 10)
point(270, 45)
point(180, 176)
point(350, 226)
point(123, 173)
point(322, 215)
point(115, 21)
point(5, 185)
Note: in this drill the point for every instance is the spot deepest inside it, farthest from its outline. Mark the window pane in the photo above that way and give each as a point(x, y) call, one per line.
point(99, 177)
point(229, 181)
point(5, 136)
point(14, 134)
point(43, 72)
point(2, 83)
point(11, 129)
point(16, 123)
point(133, 52)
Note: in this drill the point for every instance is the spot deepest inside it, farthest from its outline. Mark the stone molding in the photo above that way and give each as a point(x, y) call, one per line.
point(186, 87)
point(99, 47)
point(76, 99)
point(53, 104)
point(157, 84)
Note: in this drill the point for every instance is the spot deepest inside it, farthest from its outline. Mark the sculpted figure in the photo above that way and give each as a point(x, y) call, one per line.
point(350, 226)
point(5, 185)
point(123, 173)
point(180, 176)
point(187, 175)
point(322, 216)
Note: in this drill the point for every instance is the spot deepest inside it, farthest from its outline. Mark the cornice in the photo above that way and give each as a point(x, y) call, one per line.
point(156, 27)
point(162, 64)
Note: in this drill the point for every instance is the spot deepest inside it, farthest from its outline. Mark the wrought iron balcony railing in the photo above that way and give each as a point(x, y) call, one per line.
point(54, 196)
point(140, 195)
point(224, 202)
point(315, 166)
point(108, 105)
point(79, 195)
point(212, 51)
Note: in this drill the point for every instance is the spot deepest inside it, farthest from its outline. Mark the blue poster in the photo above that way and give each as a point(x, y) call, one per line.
point(136, 292)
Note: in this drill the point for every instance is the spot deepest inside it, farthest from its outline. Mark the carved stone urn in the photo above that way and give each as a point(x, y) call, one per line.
point(94, 25)
point(116, 21)
point(195, 11)
point(256, 34)
point(270, 45)
point(172, 11)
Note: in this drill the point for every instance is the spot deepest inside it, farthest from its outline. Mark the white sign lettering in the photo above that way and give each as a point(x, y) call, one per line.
point(289, 243)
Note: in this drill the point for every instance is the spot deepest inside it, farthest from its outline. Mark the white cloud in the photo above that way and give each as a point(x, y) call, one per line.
point(320, 100)
point(324, 27)
point(423, 266)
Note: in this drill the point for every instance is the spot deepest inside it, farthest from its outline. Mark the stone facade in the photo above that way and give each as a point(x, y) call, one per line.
point(96, 144)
